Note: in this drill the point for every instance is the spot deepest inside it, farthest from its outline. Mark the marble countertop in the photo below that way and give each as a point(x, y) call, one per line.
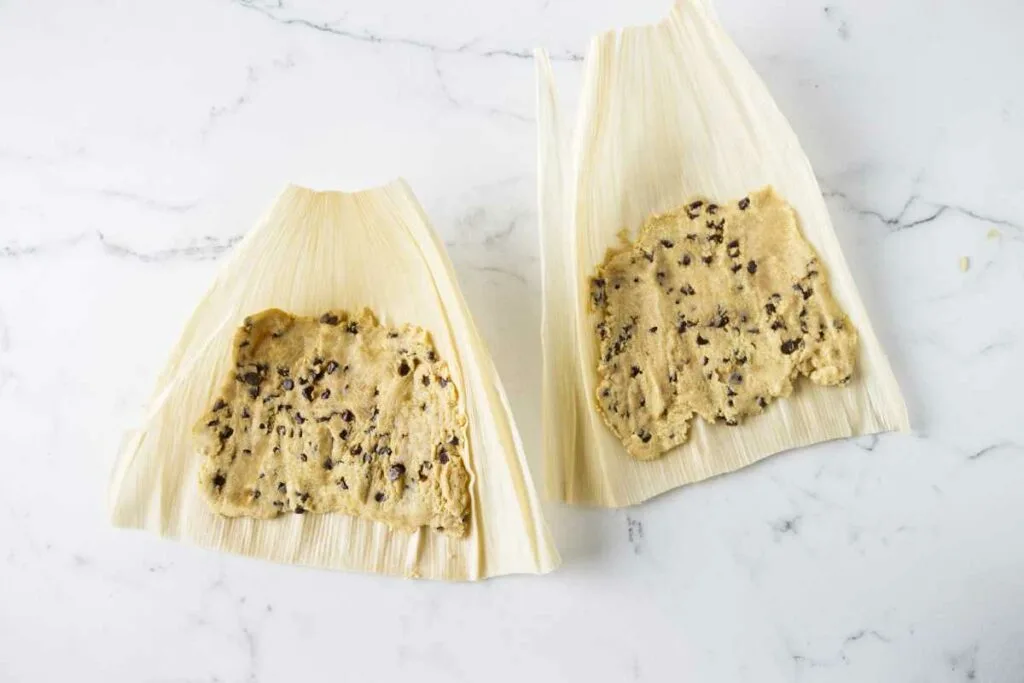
point(138, 142)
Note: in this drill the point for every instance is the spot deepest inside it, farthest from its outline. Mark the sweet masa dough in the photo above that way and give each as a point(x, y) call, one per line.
point(715, 310)
point(336, 414)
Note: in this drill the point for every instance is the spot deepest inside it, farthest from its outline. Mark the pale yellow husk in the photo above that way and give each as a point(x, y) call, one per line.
point(669, 112)
point(317, 251)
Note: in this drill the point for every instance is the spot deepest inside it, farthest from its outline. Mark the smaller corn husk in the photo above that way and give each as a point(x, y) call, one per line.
point(317, 251)
point(669, 112)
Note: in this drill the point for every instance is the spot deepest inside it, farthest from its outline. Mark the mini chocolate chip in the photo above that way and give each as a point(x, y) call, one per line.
point(347, 415)
point(251, 378)
point(243, 344)
point(343, 435)
point(303, 457)
point(213, 423)
point(426, 380)
point(226, 433)
point(219, 480)
point(281, 488)
point(644, 435)
point(634, 371)
point(280, 430)
point(712, 208)
point(668, 244)
point(442, 456)
point(379, 497)
point(789, 346)
point(246, 451)
point(744, 203)
point(299, 510)
point(649, 255)
point(328, 463)
point(704, 361)
point(701, 341)
point(403, 369)
point(751, 267)
point(778, 324)
point(262, 425)
point(696, 205)
point(736, 268)
point(761, 402)
point(308, 392)
point(443, 381)
point(653, 329)
point(736, 378)
point(326, 394)
point(685, 260)
point(329, 319)
point(707, 259)
point(256, 494)
point(396, 471)
point(356, 450)
point(219, 404)
point(454, 441)
point(343, 484)
point(254, 392)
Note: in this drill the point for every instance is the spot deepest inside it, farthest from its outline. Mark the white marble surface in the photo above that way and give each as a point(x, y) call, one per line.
point(139, 140)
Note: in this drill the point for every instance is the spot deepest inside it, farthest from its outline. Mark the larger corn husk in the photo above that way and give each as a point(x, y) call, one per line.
point(317, 251)
point(668, 112)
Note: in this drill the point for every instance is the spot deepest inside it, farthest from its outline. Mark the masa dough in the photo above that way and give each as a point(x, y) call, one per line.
point(714, 311)
point(336, 414)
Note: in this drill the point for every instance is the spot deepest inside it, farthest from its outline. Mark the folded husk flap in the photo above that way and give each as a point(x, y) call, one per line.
point(313, 252)
point(670, 112)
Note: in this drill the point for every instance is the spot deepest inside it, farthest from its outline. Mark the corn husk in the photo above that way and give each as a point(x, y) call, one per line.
point(317, 251)
point(668, 112)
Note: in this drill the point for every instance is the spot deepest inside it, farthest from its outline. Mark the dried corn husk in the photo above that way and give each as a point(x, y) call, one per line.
point(316, 251)
point(669, 112)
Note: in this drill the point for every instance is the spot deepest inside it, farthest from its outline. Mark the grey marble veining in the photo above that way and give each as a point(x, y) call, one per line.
point(139, 142)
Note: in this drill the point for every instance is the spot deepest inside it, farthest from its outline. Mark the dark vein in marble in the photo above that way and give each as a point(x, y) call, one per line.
point(898, 222)
point(376, 39)
point(992, 448)
point(500, 271)
point(635, 533)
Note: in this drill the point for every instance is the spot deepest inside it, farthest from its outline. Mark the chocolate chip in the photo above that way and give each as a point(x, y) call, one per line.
point(769, 308)
point(343, 435)
point(442, 456)
point(695, 205)
point(668, 244)
point(331, 367)
point(653, 329)
point(219, 404)
point(735, 378)
point(343, 484)
point(396, 471)
point(303, 457)
point(254, 392)
point(707, 259)
point(424, 468)
point(712, 209)
point(644, 435)
point(789, 346)
point(308, 392)
point(761, 402)
point(256, 494)
point(299, 510)
point(329, 319)
point(251, 378)
point(403, 369)
point(263, 426)
point(246, 451)
point(356, 450)
point(352, 328)
point(649, 255)
point(426, 380)
point(226, 433)
point(454, 441)
point(243, 344)
point(701, 341)
point(213, 423)
point(326, 394)
point(219, 480)
point(685, 261)
point(379, 497)
point(443, 381)
point(778, 324)
point(281, 488)
point(704, 361)
point(299, 418)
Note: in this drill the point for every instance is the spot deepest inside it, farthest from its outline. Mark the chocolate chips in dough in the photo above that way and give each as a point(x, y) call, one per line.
point(713, 311)
point(336, 414)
